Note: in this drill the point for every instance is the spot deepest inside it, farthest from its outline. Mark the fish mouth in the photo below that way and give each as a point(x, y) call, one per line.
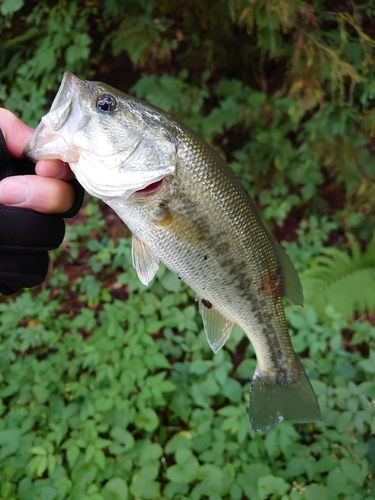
point(149, 190)
point(47, 141)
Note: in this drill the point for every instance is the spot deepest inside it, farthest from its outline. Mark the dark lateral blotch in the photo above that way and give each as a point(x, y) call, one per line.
point(207, 303)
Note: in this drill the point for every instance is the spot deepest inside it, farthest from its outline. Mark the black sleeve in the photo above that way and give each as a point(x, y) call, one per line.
point(26, 236)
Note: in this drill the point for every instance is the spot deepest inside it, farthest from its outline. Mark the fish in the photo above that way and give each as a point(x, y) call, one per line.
point(186, 208)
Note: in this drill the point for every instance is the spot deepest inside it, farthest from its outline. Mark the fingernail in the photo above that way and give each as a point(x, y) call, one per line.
point(13, 191)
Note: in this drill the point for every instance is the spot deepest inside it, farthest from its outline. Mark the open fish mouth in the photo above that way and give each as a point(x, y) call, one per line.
point(149, 190)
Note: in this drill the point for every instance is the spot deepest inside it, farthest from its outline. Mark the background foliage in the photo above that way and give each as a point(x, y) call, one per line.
point(108, 390)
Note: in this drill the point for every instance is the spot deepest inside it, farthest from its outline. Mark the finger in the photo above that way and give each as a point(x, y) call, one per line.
point(16, 133)
point(45, 195)
point(55, 169)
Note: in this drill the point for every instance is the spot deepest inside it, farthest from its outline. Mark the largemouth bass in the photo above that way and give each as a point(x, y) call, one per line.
point(186, 208)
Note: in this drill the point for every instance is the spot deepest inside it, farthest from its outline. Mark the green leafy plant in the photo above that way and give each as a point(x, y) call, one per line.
point(119, 396)
point(344, 282)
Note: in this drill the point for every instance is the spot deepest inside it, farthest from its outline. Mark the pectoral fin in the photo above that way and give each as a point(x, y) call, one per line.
point(183, 228)
point(144, 261)
point(290, 282)
point(216, 326)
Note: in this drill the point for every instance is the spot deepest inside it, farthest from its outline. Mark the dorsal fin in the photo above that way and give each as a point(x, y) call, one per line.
point(291, 285)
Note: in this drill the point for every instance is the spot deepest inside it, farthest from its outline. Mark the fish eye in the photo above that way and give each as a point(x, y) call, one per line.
point(106, 103)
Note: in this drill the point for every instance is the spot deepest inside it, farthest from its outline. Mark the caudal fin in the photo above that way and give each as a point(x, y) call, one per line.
point(272, 402)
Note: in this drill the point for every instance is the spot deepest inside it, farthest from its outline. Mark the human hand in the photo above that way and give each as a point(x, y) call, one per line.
point(32, 208)
point(47, 192)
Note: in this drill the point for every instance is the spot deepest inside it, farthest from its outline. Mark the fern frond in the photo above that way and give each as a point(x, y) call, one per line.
point(356, 251)
point(348, 284)
point(369, 253)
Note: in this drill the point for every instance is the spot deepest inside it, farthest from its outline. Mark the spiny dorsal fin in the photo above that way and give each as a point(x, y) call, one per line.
point(216, 326)
point(291, 285)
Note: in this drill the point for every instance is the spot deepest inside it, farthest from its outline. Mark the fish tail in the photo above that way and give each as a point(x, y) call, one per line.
point(272, 401)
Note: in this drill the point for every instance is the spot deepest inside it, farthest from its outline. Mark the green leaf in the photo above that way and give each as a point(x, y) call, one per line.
point(352, 471)
point(118, 487)
point(182, 439)
point(147, 419)
point(175, 490)
point(72, 453)
point(270, 484)
point(211, 480)
point(202, 391)
point(80, 49)
point(38, 450)
point(200, 366)
point(316, 492)
point(51, 463)
point(232, 390)
point(248, 479)
point(186, 469)
point(9, 442)
point(171, 282)
point(272, 442)
point(123, 436)
point(38, 465)
point(100, 459)
point(149, 453)
point(143, 484)
point(84, 475)
point(10, 6)
point(368, 365)
point(235, 492)
point(325, 464)
point(6, 488)
point(336, 482)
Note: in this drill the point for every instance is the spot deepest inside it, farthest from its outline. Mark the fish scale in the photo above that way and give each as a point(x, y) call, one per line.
point(186, 208)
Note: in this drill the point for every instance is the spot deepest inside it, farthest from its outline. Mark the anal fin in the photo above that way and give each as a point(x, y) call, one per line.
point(144, 261)
point(217, 327)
